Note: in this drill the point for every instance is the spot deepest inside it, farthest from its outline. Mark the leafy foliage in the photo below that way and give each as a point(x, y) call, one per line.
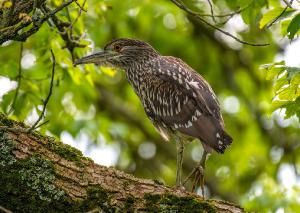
point(286, 86)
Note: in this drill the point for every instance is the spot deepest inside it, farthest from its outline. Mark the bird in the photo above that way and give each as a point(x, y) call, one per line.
point(178, 100)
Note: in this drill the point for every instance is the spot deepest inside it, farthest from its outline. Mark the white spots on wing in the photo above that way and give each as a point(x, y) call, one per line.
point(220, 144)
point(194, 84)
point(164, 112)
point(171, 111)
point(198, 113)
point(176, 126)
point(185, 100)
point(189, 124)
point(218, 135)
point(180, 80)
point(194, 118)
point(194, 95)
point(179, 107)
point(168, 73)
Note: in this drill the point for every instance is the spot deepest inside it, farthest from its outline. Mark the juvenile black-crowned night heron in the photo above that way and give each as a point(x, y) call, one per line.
point(178, 101)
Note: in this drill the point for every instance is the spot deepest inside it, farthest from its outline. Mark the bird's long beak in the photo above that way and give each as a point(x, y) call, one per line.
point(96, 58)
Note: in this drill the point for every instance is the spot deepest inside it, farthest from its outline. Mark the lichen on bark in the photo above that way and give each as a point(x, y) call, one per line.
point(24, 181)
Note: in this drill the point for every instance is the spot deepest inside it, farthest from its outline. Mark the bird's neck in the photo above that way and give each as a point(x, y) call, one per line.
point(136, 74)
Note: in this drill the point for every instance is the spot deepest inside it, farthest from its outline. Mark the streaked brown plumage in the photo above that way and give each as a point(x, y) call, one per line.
point(178, 101)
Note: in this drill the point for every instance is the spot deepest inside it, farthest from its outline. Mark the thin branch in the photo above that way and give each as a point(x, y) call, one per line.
point(79, 14)
point(42, 124)
point(278, 17)
point(212, 11)
point(81, 7)
point(45, 102)
point(19, 77)
point(288, 4)
point(198, 16)
point(71, 43)
point(228, 14)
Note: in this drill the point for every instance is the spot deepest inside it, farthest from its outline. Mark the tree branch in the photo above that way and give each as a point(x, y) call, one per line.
point(12, 32)
point(40, 174)
point(198, 16)
point(283, 11)
point(45, 102)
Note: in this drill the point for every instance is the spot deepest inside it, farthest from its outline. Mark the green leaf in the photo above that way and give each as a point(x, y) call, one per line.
point(292, 72)
point(294, 26)
point(274, 69)
point(271, 15)
point(283, 27)
point(292, 108)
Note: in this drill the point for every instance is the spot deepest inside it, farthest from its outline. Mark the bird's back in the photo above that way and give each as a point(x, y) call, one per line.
point(178, 99)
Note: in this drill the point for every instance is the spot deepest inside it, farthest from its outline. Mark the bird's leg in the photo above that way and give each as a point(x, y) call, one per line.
point(180, 150)
point(201, 174)
point(198, 173)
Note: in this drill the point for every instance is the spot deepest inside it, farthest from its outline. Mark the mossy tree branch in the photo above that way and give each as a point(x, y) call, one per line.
point(41, 174)
point(21, 20)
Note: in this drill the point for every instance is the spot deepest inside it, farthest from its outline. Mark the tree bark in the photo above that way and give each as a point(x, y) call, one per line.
point(41, 174)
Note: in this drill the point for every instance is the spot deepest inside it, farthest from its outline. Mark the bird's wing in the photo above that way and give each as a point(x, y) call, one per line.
point(192, 84)
point(179, 98)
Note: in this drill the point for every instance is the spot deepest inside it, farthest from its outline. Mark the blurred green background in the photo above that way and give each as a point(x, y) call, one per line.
point(95, 109)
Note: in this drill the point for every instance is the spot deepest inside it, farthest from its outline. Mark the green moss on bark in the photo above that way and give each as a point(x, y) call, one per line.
point(26, 181)
point(7, 158)
point(66, 151)
point(4, 121)
point(98, 198)
point(170, 203)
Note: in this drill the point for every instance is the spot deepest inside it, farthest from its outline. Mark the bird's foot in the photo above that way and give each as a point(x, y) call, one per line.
point(179, 187)
point(198, 175)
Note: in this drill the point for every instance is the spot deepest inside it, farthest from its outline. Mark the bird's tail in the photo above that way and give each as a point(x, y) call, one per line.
point(222, 141)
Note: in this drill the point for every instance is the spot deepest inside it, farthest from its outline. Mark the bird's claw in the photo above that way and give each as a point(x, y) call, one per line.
point(180, 187)
point(198, 174)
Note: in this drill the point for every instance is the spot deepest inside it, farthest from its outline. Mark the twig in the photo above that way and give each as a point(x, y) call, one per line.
point(79, 14)
point(228, 14)
point(288, 4)
point(42, 124)
point(19, 77)
point(198, 16)
point(212, 11)
point(71, 43)
point(278, 17)
point(45, 102)
point(81, 7)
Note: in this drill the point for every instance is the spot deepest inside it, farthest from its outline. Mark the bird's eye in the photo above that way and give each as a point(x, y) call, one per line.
point(117, 48)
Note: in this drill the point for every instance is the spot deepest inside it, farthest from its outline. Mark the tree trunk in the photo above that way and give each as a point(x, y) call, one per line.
point(41, 174)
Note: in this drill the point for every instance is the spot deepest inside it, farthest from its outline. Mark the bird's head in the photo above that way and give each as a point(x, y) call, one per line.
point(121, 53)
